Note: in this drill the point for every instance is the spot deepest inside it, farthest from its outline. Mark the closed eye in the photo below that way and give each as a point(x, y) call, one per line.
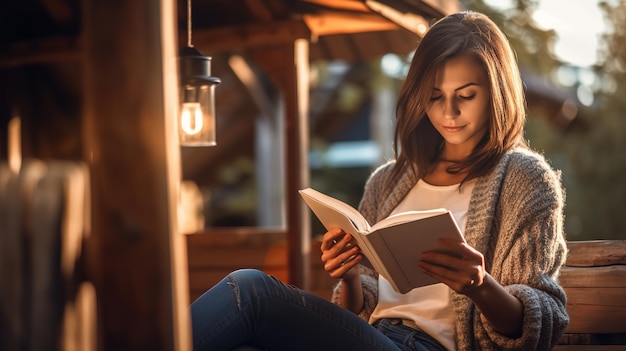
point(468, 97)
point(435, 98)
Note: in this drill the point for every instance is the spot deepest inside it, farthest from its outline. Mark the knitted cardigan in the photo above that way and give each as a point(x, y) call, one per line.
point(515, 219)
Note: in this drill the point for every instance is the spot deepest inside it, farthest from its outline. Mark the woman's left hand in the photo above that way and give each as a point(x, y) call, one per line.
point(458, 265)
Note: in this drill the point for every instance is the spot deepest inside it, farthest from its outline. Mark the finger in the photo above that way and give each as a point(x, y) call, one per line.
point(332, 263)
point(347, 241)
point(448, 259)
point(351, 258)
point(446, 265)
point(461, 249)
point(336, 258)
point(459, 281)
point(330, 238)
point(341, 243)
point(440, 274)
point(345, 267)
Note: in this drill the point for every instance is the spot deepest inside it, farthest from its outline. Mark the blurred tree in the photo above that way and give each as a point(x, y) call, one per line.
point(597, 158)
point(591, 159)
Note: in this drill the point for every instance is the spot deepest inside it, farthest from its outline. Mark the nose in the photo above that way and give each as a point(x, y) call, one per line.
point(451, 108)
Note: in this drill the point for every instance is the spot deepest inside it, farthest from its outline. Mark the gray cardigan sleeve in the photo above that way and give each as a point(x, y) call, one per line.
point(524, 252)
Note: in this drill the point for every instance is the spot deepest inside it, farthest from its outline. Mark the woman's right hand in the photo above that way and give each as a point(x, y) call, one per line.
point(340, 255)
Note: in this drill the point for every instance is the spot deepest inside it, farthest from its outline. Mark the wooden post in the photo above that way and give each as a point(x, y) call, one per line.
point(135, 255)
point(269, 146)
point(288, 67)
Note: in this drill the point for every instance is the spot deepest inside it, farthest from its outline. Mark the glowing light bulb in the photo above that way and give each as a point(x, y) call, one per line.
point(191, 118)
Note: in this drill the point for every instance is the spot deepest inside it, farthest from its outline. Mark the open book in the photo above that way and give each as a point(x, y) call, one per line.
point(393, 245)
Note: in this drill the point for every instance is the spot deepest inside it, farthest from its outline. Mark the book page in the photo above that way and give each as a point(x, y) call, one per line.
point(330, 212)
point(408, 216)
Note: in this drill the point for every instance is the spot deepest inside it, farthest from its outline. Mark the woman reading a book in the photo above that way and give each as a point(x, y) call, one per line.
point(459, 145)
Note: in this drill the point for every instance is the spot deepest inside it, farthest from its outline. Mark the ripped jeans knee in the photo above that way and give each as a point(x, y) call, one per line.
point(248, 284)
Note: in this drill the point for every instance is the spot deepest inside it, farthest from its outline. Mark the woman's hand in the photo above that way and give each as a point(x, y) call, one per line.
point(340, 255)
point(462, 268)
point(458, 265)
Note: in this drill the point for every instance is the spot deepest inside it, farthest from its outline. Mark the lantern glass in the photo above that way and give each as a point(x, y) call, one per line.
point(197, 115)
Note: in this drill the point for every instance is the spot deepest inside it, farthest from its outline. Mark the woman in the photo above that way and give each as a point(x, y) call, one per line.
point(459, 145)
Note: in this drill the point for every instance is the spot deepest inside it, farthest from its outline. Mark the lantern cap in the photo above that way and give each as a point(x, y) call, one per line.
point(195, 68)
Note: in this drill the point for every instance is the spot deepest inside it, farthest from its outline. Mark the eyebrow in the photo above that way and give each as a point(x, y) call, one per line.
point(461, 87)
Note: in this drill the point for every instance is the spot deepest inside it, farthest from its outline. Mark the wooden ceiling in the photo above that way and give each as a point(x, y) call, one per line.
point(35, 31)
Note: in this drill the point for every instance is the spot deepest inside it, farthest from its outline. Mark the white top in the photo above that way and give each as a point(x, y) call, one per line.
point(429, 306)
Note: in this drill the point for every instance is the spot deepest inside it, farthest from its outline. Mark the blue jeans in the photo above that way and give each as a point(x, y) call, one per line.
point(249, 307)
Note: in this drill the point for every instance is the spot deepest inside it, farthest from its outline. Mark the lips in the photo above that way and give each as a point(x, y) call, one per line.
point(452, 129)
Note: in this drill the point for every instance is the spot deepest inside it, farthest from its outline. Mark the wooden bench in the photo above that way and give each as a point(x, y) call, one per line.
point(594, 279)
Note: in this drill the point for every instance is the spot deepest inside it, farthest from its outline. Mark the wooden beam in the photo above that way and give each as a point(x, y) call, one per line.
point(339, 23)
point(350, 5)
point(48, 50)
point(135, 256)
point(410, 21)
point(232, 38)
point(211, 41)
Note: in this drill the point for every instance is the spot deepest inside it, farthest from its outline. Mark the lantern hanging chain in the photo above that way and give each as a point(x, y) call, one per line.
point(189, 23)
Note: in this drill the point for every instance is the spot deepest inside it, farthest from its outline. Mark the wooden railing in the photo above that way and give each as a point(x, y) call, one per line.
point(213, 254)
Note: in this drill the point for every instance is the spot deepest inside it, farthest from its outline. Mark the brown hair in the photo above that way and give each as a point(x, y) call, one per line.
point(417, 143)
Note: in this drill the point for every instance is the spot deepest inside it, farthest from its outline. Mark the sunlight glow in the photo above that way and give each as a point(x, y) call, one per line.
point(578, 25)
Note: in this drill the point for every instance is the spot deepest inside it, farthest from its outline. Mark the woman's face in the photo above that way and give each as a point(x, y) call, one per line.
point(459, 105)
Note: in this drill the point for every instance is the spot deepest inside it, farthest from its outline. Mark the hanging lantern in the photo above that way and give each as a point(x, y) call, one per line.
point(197, 99)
